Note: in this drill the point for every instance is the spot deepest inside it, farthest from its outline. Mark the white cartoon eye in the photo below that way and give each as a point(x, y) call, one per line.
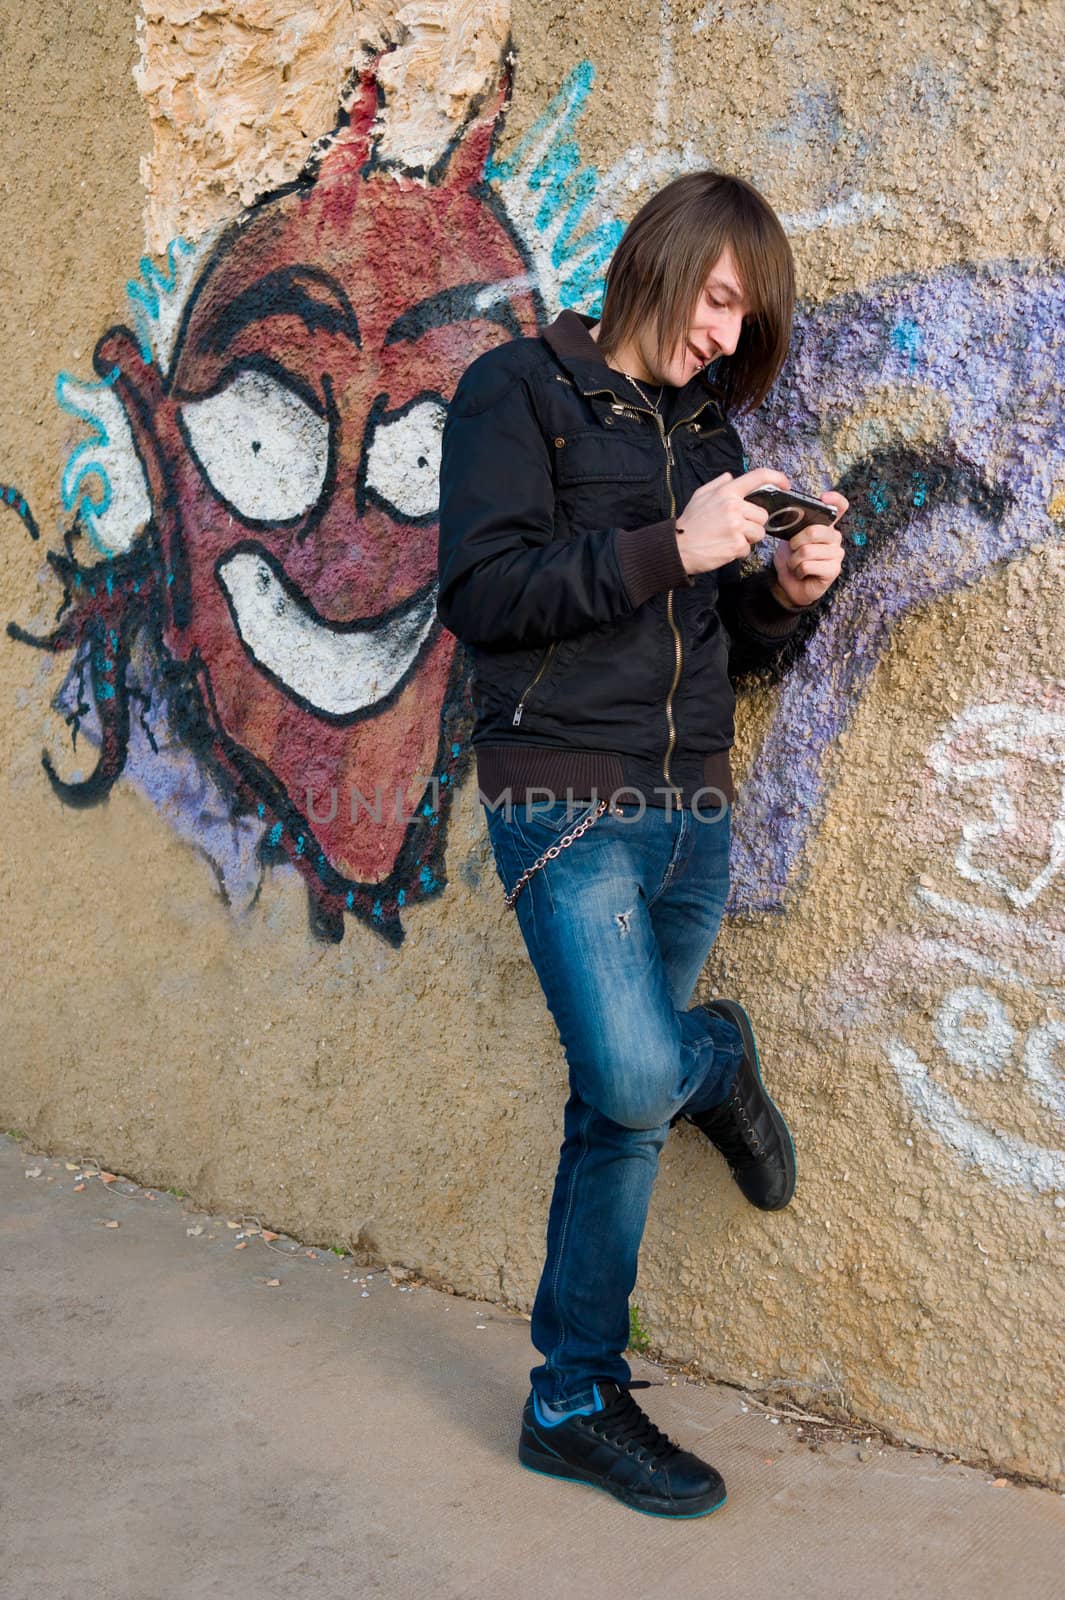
point(403, 463)
point(264, 450)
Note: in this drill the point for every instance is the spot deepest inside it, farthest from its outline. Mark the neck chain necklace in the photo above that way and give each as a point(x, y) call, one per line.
point(654, 404)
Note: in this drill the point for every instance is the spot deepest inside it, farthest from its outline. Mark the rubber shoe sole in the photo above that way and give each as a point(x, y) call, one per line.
point(737, 1015)
point(553, 1467)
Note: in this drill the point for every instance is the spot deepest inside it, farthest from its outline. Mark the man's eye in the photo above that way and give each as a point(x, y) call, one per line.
point(262, 448)
point(403, 462)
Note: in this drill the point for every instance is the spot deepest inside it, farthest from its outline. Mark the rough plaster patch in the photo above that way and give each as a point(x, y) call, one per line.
point(237, 94)
point(447, 61)
point(238, 91)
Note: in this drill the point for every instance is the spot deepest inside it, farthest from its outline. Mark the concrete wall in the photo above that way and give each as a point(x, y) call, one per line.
point(216, 977)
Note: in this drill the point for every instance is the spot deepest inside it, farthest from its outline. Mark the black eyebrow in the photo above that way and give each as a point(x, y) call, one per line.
point(290, 291)
point(452, 305)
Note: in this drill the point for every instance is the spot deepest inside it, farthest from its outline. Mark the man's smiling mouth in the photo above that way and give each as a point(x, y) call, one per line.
point(339, 669)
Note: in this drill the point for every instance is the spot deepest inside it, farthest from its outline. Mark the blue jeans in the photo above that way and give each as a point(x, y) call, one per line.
point(618, 927)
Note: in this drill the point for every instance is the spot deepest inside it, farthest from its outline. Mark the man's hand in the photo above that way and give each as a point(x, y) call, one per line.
point(810, 563)
point(718, 525)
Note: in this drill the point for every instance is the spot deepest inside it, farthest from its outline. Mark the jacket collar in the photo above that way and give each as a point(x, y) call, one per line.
point(568, 337)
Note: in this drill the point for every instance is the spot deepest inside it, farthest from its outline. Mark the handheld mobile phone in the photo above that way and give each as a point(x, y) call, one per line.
point(789, 510)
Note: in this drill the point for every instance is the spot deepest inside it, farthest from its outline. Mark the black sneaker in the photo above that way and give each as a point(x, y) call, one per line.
point(748, 1128)
point(619, 1449)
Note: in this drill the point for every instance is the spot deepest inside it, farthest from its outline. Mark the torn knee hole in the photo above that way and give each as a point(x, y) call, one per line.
point(623, 922)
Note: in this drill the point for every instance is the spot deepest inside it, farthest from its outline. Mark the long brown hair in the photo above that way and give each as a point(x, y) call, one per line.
point(664, 258)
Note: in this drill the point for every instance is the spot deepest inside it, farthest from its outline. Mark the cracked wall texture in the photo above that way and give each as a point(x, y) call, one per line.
point(191, 995)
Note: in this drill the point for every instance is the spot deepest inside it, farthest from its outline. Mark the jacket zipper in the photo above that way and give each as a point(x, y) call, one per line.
point(519, 709)
point(677, 645)
point(678, 648)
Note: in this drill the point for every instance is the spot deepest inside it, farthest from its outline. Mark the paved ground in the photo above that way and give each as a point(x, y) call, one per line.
point(184, 1419)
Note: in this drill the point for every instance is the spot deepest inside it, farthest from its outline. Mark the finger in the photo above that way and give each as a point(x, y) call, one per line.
point(839, 501)
point(711, 486)
point(823, 535)
point(814, 569)
point(816, 552)
point(759, 478)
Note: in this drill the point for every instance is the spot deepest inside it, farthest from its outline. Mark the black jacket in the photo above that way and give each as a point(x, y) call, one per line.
point(599, 664)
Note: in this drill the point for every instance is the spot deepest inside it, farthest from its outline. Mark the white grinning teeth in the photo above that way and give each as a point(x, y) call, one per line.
point(336, 670)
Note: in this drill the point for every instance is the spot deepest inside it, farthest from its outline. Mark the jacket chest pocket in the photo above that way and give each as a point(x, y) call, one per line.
point(605, 477)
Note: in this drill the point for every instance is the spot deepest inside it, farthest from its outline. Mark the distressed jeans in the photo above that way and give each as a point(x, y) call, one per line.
point(617, 927)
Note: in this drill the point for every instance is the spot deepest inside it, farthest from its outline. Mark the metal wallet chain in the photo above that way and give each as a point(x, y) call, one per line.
point(552, 852)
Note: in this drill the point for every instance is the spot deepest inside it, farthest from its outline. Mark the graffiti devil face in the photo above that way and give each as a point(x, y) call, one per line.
point(292, 461)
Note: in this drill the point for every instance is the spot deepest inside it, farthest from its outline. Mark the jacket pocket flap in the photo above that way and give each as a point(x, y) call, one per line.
point(593, 455)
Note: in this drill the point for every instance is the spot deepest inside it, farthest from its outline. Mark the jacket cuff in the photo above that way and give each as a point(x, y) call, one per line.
point(650, 560)
point(761, 612)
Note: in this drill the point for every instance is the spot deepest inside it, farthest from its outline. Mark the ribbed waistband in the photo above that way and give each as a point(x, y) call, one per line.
point(528, 773)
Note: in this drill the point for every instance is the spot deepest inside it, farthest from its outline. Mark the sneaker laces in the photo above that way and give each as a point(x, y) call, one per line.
point(730, 1128)
point(625, 1423)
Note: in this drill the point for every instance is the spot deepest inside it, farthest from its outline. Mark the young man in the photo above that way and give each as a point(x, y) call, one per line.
point(603, 624)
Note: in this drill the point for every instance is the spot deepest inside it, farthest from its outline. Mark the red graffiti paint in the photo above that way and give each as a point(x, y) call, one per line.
point(290, 470)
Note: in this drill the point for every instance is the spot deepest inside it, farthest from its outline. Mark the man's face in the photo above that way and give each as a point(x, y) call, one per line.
point(714, 329)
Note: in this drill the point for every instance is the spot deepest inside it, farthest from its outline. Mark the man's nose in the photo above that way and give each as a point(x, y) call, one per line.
point(726, 332)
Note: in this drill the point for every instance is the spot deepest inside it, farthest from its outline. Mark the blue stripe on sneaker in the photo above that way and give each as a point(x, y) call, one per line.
point(557, 1417)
